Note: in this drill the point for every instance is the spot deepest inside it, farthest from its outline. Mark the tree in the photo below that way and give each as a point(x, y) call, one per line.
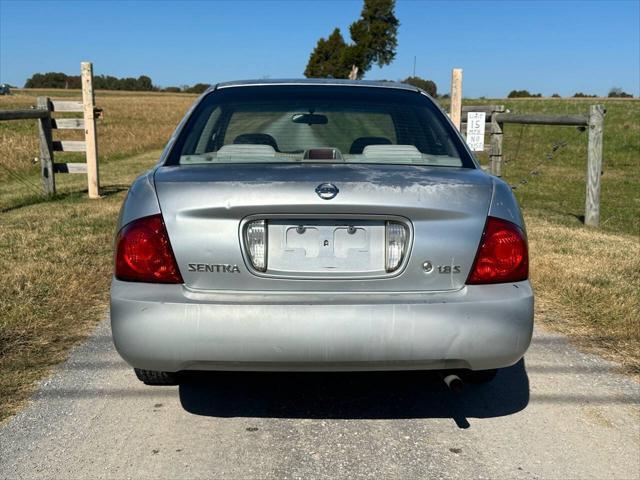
point(197, 88)
point(100, 82)
point(52, 80)
point(327, 59)
point(522, 94)
point(144, 83)
point(375, 34)
point(427, 85)
point(617, 92)
point(374, 37)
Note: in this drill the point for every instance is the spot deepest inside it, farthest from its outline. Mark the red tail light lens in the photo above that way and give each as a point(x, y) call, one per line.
point(143, 253)
point(502, 256)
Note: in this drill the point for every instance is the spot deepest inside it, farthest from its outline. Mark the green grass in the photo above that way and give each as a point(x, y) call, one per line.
point(587, 281)
point(552, 183)
point(55, 269)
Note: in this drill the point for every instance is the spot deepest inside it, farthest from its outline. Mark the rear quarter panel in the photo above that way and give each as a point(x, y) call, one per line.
point(141, 200)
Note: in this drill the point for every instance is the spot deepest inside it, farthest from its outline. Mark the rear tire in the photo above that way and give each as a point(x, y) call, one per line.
point(152, 377)
point(480, 376)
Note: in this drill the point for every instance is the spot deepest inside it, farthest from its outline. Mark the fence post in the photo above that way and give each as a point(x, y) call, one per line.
point(455, 112)
point(91, 141)
point(594, 166)
point(46, 148)
point(496, 141)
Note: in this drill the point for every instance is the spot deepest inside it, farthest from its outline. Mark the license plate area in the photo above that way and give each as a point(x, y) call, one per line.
point(326, 248)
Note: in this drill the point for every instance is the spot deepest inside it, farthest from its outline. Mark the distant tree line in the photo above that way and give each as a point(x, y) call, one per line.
point(106, 82)
point(428, 86)
point(615, 92)
point(100, 82)
point(523, 94)
point(197, 88)
point(144, 84)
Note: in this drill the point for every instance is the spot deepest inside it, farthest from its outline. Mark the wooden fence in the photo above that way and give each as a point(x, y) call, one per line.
point(43, 113)
point(496, 116)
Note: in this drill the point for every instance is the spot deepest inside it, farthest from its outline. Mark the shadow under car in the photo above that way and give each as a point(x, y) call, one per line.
point(351, 395)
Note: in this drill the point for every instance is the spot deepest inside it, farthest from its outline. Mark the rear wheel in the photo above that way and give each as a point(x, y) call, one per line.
point(480, 376)
point(152, 377)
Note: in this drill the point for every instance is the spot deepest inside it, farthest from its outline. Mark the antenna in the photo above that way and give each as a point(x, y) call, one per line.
point(414, 65)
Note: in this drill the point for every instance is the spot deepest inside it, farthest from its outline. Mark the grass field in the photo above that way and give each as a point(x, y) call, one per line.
point(55, 268)
point(132, 123)
point(55, 256)
point(547, 164)
point(587, 281)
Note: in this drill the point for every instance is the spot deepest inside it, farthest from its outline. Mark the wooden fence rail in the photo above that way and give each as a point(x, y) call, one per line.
point(27, 114)
point(538, 119)
point(47, 123)
point(497, 116)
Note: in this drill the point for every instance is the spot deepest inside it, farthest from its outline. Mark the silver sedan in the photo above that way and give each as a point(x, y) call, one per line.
point(315, 225)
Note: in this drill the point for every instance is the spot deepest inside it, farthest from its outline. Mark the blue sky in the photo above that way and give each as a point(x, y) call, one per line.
point(545, 46)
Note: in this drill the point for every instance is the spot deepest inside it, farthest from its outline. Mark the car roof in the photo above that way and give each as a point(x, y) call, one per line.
point(316, 81)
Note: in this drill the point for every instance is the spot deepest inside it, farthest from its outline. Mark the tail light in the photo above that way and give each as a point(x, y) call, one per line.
point(255, 238)
point(502, 256)
point(143, 253)
point(396, 244)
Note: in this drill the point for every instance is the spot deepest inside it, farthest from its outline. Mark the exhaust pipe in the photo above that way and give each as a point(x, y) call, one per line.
point(453, 382)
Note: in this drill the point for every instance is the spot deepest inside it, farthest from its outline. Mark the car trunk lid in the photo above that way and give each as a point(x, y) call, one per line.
point(318, 244)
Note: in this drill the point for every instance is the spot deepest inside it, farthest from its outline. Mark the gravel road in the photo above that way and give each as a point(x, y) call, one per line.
point(557, 414)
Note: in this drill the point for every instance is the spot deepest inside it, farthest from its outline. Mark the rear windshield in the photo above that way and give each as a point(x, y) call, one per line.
point(329, 124)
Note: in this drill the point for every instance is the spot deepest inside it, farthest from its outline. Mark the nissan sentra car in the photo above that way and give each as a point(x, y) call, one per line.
point(319, 225)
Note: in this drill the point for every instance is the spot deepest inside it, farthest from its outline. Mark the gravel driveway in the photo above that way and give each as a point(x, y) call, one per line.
point(557, 414)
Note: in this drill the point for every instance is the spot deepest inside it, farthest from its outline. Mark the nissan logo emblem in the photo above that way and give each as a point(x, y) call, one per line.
point(327, 191)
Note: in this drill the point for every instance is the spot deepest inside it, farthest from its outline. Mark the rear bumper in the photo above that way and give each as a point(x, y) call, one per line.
point(169, 328)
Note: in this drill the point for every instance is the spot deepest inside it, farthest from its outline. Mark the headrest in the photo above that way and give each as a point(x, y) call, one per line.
point(405, 151)
point(359, 143)
point(256, 139)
